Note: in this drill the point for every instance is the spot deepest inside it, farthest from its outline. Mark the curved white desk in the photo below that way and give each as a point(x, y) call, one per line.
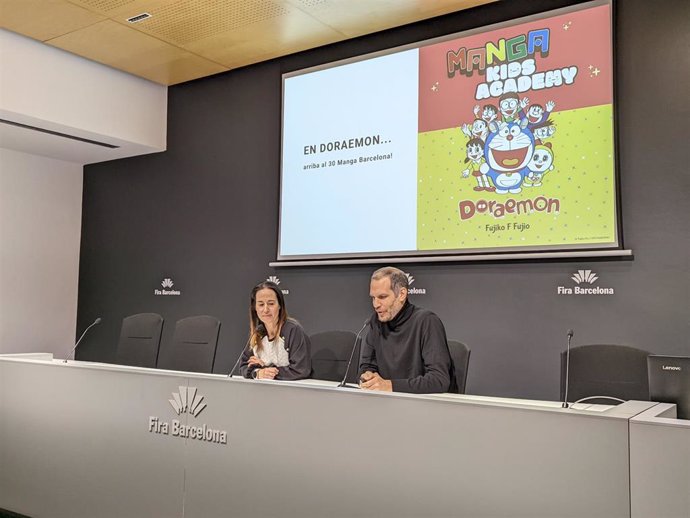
point(87, 440)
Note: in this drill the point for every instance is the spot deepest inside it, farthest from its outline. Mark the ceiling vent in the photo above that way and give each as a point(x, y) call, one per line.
point(58, 134)
point(138, 18)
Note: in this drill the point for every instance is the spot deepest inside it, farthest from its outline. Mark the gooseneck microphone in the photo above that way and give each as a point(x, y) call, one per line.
point(352, 354)
point(74, 349)
point(567, 368)
point(260, 328)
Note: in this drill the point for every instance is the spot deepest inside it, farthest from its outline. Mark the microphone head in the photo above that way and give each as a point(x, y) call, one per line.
point(570, 333)
point(261, 328)
point(98, 320)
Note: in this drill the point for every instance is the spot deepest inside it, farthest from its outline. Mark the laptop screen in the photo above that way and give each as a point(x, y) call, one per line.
point(669, 381)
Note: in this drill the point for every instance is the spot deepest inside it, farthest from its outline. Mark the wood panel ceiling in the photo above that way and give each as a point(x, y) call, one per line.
point(188, 39)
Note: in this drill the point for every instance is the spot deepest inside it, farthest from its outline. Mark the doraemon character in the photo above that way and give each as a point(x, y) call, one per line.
point(543, 130)
point(475, 157)
point(508, 149)
point(541, 163)
point(489, 113)
point(536, 113)
point(511, 106)
point(479, 129)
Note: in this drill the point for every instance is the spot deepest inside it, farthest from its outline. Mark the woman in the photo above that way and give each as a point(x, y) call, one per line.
point(279, 347)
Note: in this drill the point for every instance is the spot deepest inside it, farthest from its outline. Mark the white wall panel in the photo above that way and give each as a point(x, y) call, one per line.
point(40, 232)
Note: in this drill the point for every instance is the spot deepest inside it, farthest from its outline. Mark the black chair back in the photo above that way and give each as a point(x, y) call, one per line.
point(460, 355)
point(140, 338)
point(618, 371)
point(193, 345)
point(330, 352)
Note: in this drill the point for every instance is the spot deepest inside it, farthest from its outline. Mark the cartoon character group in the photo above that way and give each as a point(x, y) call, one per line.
point(506, 150)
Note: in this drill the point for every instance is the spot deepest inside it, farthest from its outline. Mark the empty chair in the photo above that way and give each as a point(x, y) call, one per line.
point(460, 356)
point(330, 353)
point(140, 338)
point(617, 371)
point(193, 345)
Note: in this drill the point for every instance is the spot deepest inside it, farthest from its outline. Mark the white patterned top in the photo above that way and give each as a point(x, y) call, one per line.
point(273, 354)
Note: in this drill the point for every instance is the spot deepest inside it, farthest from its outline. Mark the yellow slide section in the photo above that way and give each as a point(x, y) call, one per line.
point(570, 200)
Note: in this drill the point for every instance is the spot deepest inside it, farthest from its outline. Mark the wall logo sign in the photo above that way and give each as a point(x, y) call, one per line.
point(587, 276)
point(167, 285)
point(275, 280)
point(187, 401)
point(584, 285)
point(411, 290)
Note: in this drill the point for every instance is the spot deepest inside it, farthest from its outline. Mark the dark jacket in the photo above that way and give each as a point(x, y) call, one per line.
point(411, 350)
point(298, 347)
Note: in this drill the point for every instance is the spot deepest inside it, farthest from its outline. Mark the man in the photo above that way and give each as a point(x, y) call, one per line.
point(406, 348)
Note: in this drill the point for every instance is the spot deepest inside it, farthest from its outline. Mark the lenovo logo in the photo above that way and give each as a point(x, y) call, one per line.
point(670, 368)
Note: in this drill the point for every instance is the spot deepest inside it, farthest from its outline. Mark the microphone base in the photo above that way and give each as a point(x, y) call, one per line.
point(565, 405)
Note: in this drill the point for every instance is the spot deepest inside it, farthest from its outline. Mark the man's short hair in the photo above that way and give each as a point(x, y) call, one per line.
point(397, 277)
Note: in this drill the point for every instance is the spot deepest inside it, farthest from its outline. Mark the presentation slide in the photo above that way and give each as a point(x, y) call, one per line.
point(495, 141)
point(350, 157)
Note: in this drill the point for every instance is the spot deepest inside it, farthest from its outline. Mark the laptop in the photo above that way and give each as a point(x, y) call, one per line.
point(669, 381)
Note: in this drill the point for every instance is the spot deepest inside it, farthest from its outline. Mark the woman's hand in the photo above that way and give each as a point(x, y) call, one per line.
point(253, 360)
point(267, 373)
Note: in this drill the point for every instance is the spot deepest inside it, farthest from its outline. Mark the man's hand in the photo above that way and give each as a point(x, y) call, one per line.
point(267, 373)
point(373, 381)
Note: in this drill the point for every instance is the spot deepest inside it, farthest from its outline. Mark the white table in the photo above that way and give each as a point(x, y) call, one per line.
point(84, 439)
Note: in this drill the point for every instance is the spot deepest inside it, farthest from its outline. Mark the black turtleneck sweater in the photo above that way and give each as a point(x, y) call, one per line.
point(411, 350)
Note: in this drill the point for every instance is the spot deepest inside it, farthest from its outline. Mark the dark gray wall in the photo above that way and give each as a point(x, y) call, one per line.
point(205, 214)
